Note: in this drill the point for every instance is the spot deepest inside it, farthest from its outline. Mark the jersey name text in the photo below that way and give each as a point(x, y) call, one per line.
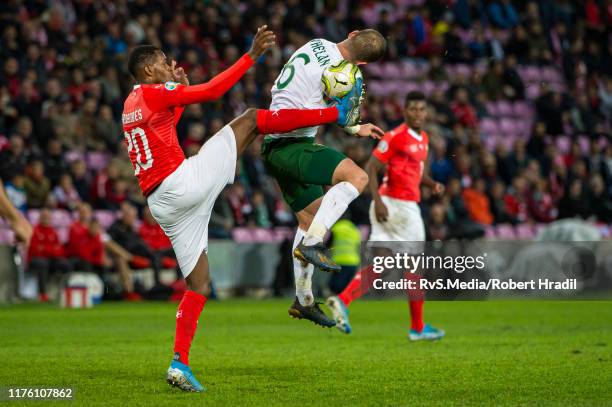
point(131, 117)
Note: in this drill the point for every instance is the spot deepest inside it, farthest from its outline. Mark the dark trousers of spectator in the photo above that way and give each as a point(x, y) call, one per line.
point(168, 253)
point(43, 267)
point(83, 265)
point(141, 249)
point(340, 280)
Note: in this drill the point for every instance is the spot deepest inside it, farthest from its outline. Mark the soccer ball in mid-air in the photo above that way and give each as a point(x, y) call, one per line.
point(338, 79)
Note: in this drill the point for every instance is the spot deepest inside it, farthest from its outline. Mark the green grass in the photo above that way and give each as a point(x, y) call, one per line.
point(252, 353)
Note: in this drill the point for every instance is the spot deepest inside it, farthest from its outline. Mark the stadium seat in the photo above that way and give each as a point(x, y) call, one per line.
point(242, 235)
point(61, 218)
point(374, 70)
point(97, 161)
point(74, 155)
point(7, 236)
point(524, 231)
point(491, 108)
point(490, 233)
point(409, 70)
point(391, 70)
point(532, 91)
point(376, 88)
point(284, 233)
point(105, 218)
point(504, 108)
point(489, 126)
point(563, 144)
point(521, 109)
point(505, 231)
point(33, 215)
point(262, 235)
point(584, 143)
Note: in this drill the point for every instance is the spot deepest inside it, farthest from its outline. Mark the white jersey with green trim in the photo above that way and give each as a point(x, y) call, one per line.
point(298, 86)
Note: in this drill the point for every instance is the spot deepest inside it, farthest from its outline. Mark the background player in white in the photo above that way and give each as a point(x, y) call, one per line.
point(302, 167)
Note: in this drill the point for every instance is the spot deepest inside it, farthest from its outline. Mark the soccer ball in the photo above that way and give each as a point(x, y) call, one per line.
point(339, 79)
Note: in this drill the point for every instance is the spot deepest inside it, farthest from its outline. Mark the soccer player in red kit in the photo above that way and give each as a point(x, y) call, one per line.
point(394, 213)
point(181, 192)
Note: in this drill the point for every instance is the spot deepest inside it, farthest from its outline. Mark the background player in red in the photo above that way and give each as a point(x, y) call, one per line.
point(181, 192)
point(394, 213)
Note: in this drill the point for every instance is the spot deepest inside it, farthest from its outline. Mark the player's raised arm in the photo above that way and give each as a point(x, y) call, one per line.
point(149, 65)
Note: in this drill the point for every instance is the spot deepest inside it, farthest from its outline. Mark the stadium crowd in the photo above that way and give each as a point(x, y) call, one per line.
point(520, 103)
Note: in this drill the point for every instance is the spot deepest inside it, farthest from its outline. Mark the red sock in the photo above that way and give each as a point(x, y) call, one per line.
point(416, 314)
point(416, 299)
point(359, 285)
point(286, 120)
point(186, 323)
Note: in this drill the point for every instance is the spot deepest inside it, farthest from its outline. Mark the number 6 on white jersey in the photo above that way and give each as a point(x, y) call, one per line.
point(132, 142)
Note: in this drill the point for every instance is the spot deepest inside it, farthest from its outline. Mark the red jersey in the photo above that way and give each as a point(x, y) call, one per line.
point(154, 236)
point(76, 237)
point(405, 152)
point(45, 243)
point(150, 115)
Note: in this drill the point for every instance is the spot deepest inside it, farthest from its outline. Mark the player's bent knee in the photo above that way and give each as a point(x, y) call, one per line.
point(202, 288)
point(359, 180)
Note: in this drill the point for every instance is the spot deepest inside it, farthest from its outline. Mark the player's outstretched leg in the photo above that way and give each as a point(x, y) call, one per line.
point(179, 373)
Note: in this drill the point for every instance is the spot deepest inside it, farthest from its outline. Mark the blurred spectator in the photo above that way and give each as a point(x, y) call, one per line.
point(195, 136)
point(502, 13)
point(437, 227)
point(153, 235)
point(54, 161)
point(107, 130)
point(80, 178)
point(541, 203)
point(45, 253)
point(239, 204)
point(573, 204)
point(498, 205)
point(515, 199)
point(464, 112)
point(123, 232)
point(37, 186)
point(222, 218)
point(477, 203)
point(261, 214)
point(600, 199)
point(14, 159)
point(65, 194)
point(346, 252)
point(16, 192)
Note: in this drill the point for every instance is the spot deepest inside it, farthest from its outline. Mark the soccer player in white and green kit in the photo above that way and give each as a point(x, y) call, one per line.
point(302, 167)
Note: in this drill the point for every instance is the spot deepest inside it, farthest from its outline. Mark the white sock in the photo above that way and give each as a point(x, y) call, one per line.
point(303, 275)
point(334, 203)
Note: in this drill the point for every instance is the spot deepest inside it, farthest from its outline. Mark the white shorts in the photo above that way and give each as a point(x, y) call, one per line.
point(404, 223)
point(183, 202)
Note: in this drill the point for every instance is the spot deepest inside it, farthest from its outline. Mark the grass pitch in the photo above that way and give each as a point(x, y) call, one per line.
point(252, 353)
